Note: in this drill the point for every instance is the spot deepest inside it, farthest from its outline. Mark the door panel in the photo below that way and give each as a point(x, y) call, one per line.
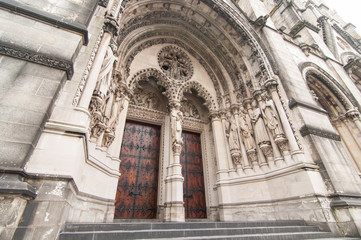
point(137, 187)
point(192, 170)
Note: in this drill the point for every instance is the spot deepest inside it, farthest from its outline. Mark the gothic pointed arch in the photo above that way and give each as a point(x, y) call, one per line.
point(231, 52)
point(198, 89)
point(339, 104)
point(331, 88)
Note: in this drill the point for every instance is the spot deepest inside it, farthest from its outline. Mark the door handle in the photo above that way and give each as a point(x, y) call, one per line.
point(188, 195)
point(135, 193)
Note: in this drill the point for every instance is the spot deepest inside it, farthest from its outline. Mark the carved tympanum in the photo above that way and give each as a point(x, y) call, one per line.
point(175, 63)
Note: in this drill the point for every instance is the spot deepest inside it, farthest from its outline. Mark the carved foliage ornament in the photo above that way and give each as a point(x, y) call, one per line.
point(175, 63)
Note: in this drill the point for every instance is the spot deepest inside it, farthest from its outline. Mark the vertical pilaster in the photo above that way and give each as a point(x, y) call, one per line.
point(174, 205)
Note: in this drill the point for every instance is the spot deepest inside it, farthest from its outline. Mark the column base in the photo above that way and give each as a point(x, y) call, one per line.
point(174, 212)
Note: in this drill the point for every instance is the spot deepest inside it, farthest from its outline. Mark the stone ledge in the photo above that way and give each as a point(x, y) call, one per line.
point(35, 57)
point(13, 185)
point(311, 130)
point(46, 17)
point(345, 201)
point(295, 103)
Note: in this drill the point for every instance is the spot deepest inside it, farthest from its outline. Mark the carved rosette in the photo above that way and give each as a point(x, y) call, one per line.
point(175, 63)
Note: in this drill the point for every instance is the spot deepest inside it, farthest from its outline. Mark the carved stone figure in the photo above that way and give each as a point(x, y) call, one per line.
point(231, 132)
point(271, 119)
point(260, 131)
point(246, 131)
point(117, 107)
point(189, 109)
point(176, 117)
point(105, 75)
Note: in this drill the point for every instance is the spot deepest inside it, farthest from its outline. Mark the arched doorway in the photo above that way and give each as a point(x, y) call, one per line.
point(342, 114)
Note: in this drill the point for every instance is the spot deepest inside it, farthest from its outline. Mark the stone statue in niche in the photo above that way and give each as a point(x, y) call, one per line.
point(175, 63)
point(105, 75)
point(117, 107)
point(246, 130)
point(271, 118)
point(232, 135)
point(176, 118)
point(260, 131)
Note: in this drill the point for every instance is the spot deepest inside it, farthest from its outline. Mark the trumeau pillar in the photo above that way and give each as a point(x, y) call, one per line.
point(174, 206)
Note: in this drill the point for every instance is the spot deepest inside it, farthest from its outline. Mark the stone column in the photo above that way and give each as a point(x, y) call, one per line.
point(222, 163)
point(110, 30)
point(174, 205)
point(271, 86)
point(220, 147)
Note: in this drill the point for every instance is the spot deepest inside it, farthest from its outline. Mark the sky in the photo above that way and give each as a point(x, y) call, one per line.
point(348, 10)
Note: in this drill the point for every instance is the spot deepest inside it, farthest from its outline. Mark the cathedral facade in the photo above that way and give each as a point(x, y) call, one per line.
point(218, 110)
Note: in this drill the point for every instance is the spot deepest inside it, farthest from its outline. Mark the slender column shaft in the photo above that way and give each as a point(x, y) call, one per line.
point(94, 73)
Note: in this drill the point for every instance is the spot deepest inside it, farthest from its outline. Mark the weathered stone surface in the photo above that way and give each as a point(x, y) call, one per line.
point(224, 71)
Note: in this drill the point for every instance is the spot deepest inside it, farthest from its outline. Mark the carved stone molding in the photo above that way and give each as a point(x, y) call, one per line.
point(347, 100)
point(143, 114)
point(213, 72)
point(202, 92)
point(38, 58)
point(87, 69)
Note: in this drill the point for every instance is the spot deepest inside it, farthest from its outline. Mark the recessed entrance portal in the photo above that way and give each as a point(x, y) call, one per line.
point(192, 171)
point(137, 187)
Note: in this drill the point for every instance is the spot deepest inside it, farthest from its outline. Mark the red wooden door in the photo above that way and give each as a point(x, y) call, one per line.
point(137, 187)
point(192, 170)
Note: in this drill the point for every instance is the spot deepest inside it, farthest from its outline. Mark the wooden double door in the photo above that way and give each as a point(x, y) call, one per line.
point(138, 184)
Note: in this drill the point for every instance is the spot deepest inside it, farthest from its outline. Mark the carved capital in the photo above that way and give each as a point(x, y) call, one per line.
point(282, 143)
point(271, 84)
point(214, 115)
point(109, 137)
point(353, 114)
point(177, 147)
point(111, 26)
point(266, 148)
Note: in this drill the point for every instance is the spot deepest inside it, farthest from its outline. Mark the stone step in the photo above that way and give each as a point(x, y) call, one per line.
point(186, 225)
point(180, 233)
point(276, 230)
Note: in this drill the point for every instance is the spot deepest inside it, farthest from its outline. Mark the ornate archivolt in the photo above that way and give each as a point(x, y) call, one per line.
point(332, 89)
point(339, 104)
point(253, 119)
